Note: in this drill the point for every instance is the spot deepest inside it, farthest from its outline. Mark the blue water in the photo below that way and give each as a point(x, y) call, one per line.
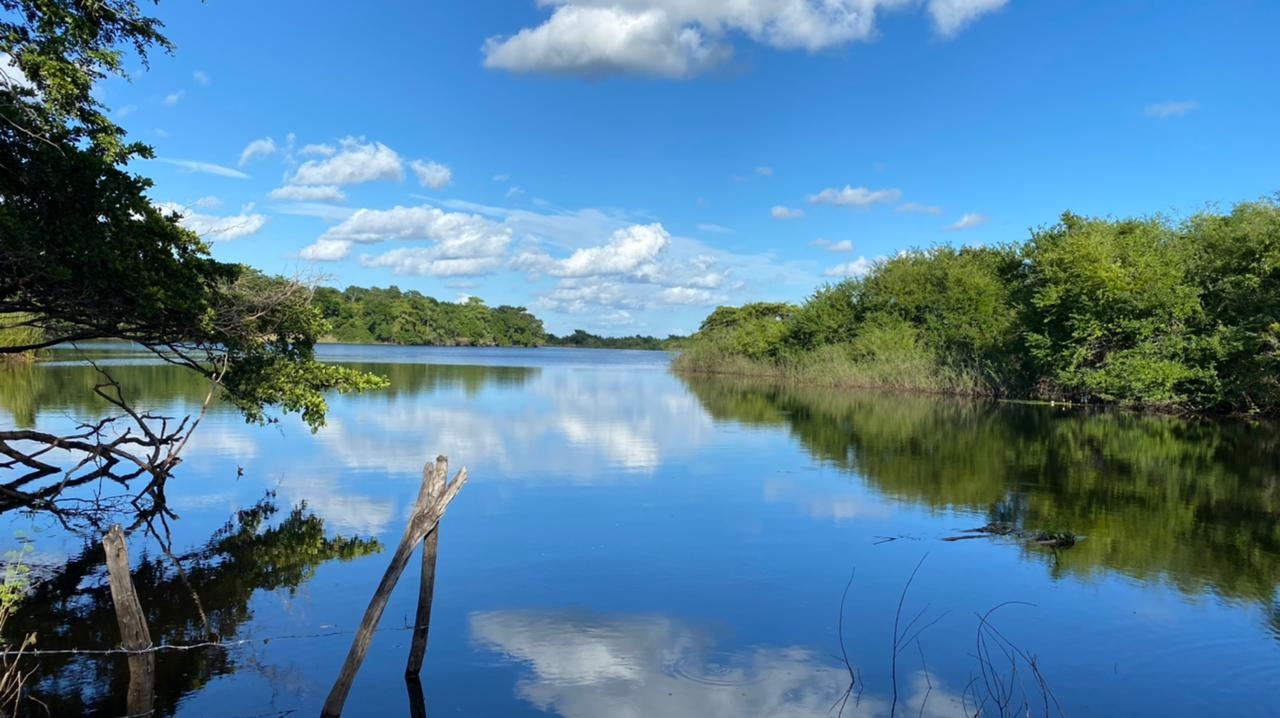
point(634, 544)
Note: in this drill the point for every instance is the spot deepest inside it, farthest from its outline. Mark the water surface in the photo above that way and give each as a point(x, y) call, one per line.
point(632, 543)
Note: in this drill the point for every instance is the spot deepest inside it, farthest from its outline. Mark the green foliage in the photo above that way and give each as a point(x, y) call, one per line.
point(84, 252)
point(1144, 312)
point(586, 340)
point(361, 316)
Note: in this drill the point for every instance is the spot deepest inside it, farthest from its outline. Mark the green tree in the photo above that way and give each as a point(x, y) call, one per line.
point(85, 253)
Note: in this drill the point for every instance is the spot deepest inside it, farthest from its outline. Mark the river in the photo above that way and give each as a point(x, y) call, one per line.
point(633, 543)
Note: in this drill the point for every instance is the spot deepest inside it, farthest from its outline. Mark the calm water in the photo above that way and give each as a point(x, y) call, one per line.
point(634, 544)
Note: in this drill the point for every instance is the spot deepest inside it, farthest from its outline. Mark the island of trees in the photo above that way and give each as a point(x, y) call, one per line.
point(1151, 312)
point(359, 315)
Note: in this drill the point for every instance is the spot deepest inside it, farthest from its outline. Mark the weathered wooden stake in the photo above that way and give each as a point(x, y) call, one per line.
point(134, 634)
point(427, 584)
point(424, 519)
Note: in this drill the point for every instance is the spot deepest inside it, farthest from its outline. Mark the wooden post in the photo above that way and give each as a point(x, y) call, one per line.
point(134, 634)
point(427, 584)
point(426, 515)
point(417, 702)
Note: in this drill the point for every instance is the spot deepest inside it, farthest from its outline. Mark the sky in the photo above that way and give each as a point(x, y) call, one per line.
point(624, 166)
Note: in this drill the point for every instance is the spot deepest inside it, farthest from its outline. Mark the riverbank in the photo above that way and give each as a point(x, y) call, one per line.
point(1147, 313)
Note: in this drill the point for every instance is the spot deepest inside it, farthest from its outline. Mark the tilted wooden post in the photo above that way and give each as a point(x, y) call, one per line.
point(427, 584)
point(424, 519)
point(134, 634)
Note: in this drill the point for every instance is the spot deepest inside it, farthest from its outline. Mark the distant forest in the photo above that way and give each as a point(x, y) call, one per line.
point(359, 315)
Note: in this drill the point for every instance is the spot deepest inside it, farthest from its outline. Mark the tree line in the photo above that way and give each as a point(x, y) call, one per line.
point(359, 315)
point(1176, 315)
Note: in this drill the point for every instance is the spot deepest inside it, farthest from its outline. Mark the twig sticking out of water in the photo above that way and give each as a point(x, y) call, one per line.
point(1006, 693)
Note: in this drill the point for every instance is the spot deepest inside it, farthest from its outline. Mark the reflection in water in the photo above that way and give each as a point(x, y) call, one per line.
point(586, 665)
point(63, 385)
point(1190, 502)
point(73, 609)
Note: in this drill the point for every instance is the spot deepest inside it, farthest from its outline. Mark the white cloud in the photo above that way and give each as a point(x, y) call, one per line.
point(429, 223)
point(917, 208)
point(857, 268)
point(426, 262)
point(218, 228)
point(855, 196)
point(432, 174)
point(765, 171)
point(952, 16)
point(10, 75)
point(461, 244)
point(319, 150)
point(312, 193)
point(969, 221)
point(514, 192)
point(174, 98)
point(315, 209)
point(843, 245)
point(204, 168)
point(1173, 108)
point(605, 40)
point(780, 212)
point(681, 38)
point(629, 251)
point(208, 202)
point(501, 178)
point(686, 295)
point(258, 148)
point(353, 162)
point(715, 228)
point(327, 250)
point(202, 78)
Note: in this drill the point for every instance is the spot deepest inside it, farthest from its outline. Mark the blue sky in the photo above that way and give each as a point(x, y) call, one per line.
point(625, 165)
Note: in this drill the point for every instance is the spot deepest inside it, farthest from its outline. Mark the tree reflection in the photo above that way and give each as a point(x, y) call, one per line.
point(1160, 498)
point(207, 600)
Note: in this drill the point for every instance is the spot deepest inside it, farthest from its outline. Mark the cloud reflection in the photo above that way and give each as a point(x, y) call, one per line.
point(587, 665)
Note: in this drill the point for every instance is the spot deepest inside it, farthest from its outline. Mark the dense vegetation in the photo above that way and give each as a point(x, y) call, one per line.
point(357, 315)
point(586, 340)
point(1172, 315)
point(390, 316)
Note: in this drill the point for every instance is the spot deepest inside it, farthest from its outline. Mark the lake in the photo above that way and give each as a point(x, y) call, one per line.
point(633, 543)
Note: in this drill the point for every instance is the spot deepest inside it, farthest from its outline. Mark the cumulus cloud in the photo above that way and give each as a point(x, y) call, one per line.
point(174, 98)
point(917, 208)
point(1174, 108)
point(686, 295)
point(630, 250)
point(258, 148)
point(952, 16)
point(855, 196)
point(843, 245)
point(432, 174)
point(605, 40)
point(308, 193)
point(460, 244)
point(859, 267)
point(680, 38)
point(781, 212)
point(353, 161)
point(212, 227)
point(427, 262)
point(969, 221)
point(327, 250)
point(202, 78)
point(207, 202)
point(208, 168)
